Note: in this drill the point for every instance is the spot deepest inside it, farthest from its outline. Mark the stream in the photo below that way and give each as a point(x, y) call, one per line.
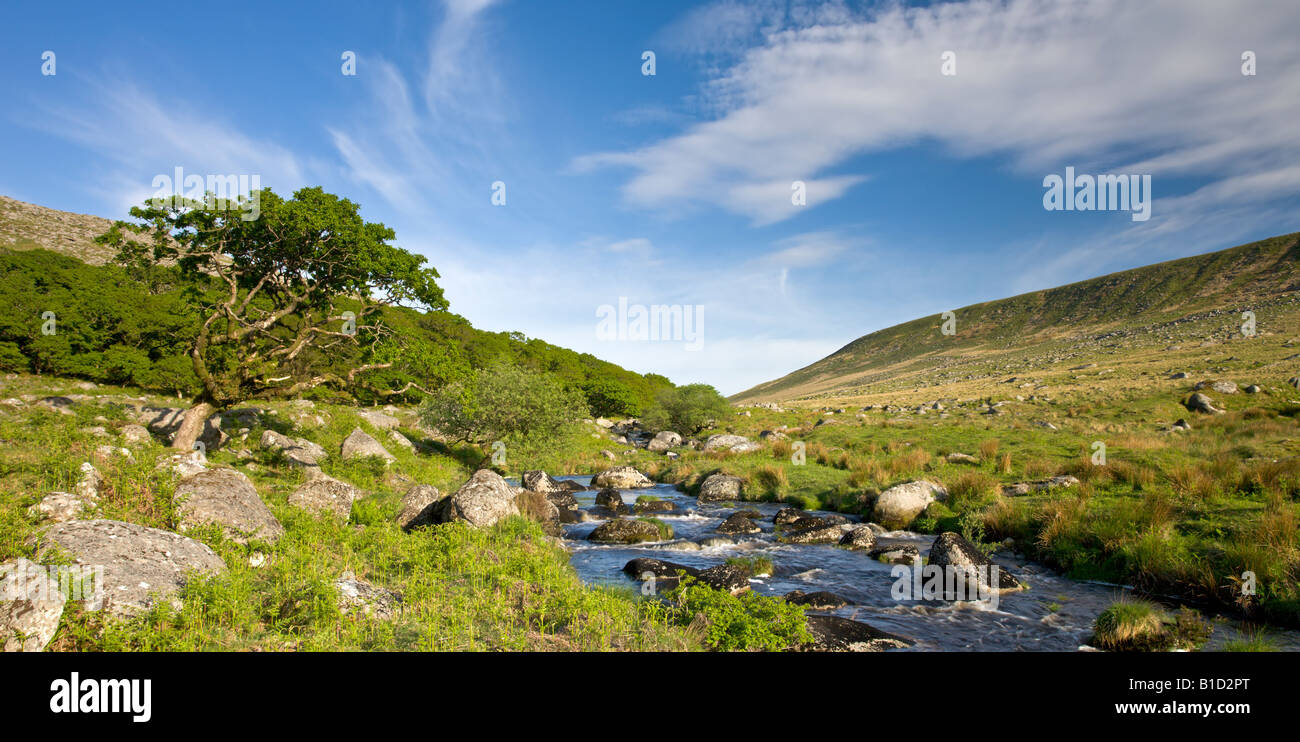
point(1055, 614)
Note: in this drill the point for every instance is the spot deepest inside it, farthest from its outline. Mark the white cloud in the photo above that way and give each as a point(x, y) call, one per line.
point(1095, 84)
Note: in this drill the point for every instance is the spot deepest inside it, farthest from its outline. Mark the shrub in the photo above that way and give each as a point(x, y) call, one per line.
point(1132, 626)
point(771, 480)
point(504, 402)
point(747, 622)
point(687, 409)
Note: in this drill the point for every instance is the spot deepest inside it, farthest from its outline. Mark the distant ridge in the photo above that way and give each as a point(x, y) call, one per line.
point(1140, 299)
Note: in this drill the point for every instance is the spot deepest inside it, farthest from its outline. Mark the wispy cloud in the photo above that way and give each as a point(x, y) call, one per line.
point(1094, 83)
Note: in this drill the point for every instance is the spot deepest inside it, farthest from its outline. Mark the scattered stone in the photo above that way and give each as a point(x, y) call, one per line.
point(141, 565)
point(858, 537)
point(720, 488)
point(951, 550)
point(325, 494)
point(621, 477)
point(895, 554)
point(59, 507)
point(1253, 389)
point(1181, 424)
point(818, 534)
point(539, 481)
point(483, 500)
point(961, 458)
point(360, 444)
point(1200, 403)
point(787, 516)
point(654, 506)
point(422, 505)
point(31, 605)
point(1020, 489)
point(89, 484)
point(380, 420)
point(737, 523)
point(733, 443)
point(818, 601)
point(726, 577)
point(227, 498)
point(625, 531)
point(299, 452)
point(899, 505)
point(836, 634)
point(359, 597)
point(611, 500)
point(663, 441)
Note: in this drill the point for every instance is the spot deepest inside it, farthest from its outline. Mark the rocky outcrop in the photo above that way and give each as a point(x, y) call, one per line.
point(227, 498)
point(31, 605)
point(720, 488)
point(899, 505)
point(325, 494)
point(422, 505)
point(141, 565)
point(483, 500)
point(621, 477)
point(360, 444)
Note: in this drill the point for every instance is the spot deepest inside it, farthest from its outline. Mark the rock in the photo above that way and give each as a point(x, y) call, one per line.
point(324, 494)
point(738, 523)
point(836, 634)
point(401, 440)
point(611, 500)
point(1222, 387)
point(359, 444)
point(59, 507)
point(1181, 424)
point(818, 534)
point(361, 597)
point(621, 477)
point(625, 531)
point(726, 577)
point(483, 500)
point(787, 516)
point(733, 443)
point(602, 422)
point(1294, 381)
point(1200, 403)
point(895, 553)
point(818, 601)
point(666, 574)
point(1253, 389)
point(773, 435)
point(135, 434)
point(663, 441)
point(858, 537)
point(1024, 488)
point(1179, 375)
point(227, 498)
point(141, 565)
point(539, 481)
point(31, 605)
point(422, 505)
point(563, 500)
point(899, 505)
point(608, 454)
point(183, 465)
point(299, 452)
point(90, 482)
point(961, 458)
point(654, 506)
point(951, 550)
point(720, 488)
point(380, 420)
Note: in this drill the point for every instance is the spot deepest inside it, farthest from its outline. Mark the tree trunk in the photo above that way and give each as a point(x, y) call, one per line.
point(192, 425)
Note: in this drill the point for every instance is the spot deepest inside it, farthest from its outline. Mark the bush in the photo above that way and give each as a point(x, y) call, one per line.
point(503, 402)
point(747, 622)
point(687, 409)
point(1132, 626)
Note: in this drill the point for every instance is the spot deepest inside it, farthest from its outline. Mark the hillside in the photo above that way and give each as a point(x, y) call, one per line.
point(1195, 299)
point(25, 226)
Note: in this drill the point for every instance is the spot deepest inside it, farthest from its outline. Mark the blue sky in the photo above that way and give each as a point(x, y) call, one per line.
point(924, 190)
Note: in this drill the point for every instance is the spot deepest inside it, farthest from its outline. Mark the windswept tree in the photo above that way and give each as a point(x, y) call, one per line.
point(280, 295)
point(686, 409)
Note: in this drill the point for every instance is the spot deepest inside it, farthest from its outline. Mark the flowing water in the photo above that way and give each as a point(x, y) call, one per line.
point(1055, 614)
